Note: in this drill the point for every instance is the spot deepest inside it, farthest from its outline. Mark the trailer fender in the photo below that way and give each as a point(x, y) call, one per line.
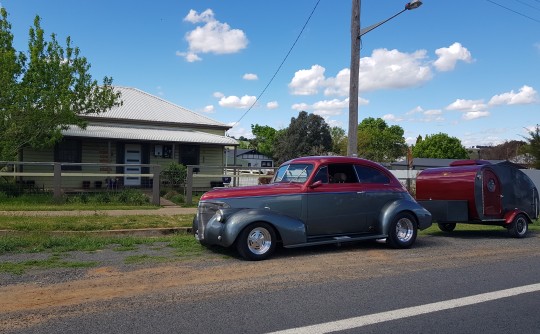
point(511, 215)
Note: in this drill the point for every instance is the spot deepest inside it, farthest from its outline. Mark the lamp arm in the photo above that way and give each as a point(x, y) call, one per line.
point(371, 27)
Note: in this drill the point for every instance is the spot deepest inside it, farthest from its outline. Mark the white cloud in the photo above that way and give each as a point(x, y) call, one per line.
point(211, 37)
point(208, 109)
point(448, 57)
point(384, 69)
point(250, 76)
point(232, 101)
point(416, 110)
point(339, 85)
point(467, 105)
point(194, 17)
point(272, 105)
point(433, 112)
point(470, 115)
point(330, 107)
point(392, 118)
point(307, 82)
point(526, 95)
point(301, 107)
point(237, 131)
point(218, 95)
point(391, 69)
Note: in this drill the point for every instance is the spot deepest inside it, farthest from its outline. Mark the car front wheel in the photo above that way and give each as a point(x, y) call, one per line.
point(256, 242)
point(519, 226)
point(403, 231)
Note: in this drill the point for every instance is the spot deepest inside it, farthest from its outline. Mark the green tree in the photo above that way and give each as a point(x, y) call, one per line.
point(339, 140)
point(264, 141)
point(532, 147)
point(439, 146)
point(379, 142)
point(45, 90)
point(308, 134)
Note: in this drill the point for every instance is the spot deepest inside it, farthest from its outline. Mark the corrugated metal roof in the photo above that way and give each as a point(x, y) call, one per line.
point(141, 106)
point(148, 134)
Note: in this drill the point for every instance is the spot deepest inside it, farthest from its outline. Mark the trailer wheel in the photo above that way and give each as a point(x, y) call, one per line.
point(447, 227)
point(519, 226)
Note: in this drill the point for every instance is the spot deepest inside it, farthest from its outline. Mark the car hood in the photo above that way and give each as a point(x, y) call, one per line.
point(262, 190)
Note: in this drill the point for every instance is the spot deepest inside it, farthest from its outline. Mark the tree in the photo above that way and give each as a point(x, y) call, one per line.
point(308, 134)
point(439, 146)
point(532, 148)
point(505, 151)
point(339, 140)
point(379, 142)
point(264, 140)
point(44, 91)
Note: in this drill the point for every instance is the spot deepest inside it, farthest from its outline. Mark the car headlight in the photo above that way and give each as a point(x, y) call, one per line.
point(220, 217)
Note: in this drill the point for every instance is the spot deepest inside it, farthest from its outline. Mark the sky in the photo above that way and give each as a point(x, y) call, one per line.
point(470, 69)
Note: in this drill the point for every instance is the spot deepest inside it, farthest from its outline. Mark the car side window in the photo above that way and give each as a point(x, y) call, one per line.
point(371, 175)
point(342, 173)
point(322, 175)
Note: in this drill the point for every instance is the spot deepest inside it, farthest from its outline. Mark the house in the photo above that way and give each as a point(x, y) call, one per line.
point(145, 129)
point(247, 158)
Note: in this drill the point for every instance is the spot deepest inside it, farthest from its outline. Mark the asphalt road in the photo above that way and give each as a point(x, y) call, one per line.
point(354, 285)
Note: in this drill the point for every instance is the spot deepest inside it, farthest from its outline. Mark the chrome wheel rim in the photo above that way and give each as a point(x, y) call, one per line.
point(521, 226)
point(259, 241)
point(404, 230)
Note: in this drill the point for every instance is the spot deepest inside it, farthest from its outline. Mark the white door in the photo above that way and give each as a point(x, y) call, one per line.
point(132, 157)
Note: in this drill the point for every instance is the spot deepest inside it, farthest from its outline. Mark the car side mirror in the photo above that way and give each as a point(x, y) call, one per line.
point(316, 184)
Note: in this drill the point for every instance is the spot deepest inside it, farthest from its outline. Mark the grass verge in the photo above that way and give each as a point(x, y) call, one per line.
point(95, 222)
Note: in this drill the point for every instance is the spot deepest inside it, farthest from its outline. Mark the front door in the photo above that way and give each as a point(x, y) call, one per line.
point(491, 193)
point(132, 157)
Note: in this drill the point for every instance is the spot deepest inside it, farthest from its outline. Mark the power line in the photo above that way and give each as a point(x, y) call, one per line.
point(527, 4)
point(280, 65)
point(516, 12)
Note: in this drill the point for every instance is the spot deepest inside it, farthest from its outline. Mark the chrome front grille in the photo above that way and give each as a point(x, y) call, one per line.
point(205, 212)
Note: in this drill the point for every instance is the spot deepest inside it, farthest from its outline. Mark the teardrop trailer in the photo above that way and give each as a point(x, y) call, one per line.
point(477, 191)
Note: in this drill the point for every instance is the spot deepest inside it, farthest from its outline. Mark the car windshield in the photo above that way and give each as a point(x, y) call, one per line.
point(296, 173)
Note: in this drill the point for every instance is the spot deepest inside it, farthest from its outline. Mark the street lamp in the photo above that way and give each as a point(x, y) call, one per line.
point(356, 33)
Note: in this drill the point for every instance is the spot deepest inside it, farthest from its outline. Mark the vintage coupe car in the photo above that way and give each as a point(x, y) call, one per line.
point(311, 201)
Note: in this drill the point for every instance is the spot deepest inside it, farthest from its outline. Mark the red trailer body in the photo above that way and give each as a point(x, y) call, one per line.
point(479, 192)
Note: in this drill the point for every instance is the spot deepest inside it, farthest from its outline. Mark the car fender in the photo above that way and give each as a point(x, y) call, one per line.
point(291, 231)
point(391, 209)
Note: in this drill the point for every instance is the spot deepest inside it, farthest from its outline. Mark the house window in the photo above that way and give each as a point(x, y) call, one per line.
point(266, 163)
point(189, 155)
point(69, 150)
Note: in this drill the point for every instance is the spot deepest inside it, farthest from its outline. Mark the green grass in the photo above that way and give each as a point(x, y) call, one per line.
point(91, 222)
point(122, 200)
point(54, 261)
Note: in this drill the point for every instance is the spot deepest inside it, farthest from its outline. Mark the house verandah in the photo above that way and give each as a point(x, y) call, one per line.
point(120, 147)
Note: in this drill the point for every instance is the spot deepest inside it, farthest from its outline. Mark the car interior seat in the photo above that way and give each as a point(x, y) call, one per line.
point(340, 178)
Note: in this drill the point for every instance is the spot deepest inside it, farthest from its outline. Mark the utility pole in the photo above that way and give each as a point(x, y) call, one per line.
point(352, 142)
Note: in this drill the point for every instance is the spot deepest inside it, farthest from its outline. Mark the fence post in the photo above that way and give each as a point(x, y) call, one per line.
point(155, 184)
point(189, 185)
point(57, 181)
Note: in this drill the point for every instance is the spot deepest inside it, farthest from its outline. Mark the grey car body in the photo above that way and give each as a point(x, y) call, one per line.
point(311, 201)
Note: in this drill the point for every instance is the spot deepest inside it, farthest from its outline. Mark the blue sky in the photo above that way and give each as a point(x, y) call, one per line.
point(470, 69)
